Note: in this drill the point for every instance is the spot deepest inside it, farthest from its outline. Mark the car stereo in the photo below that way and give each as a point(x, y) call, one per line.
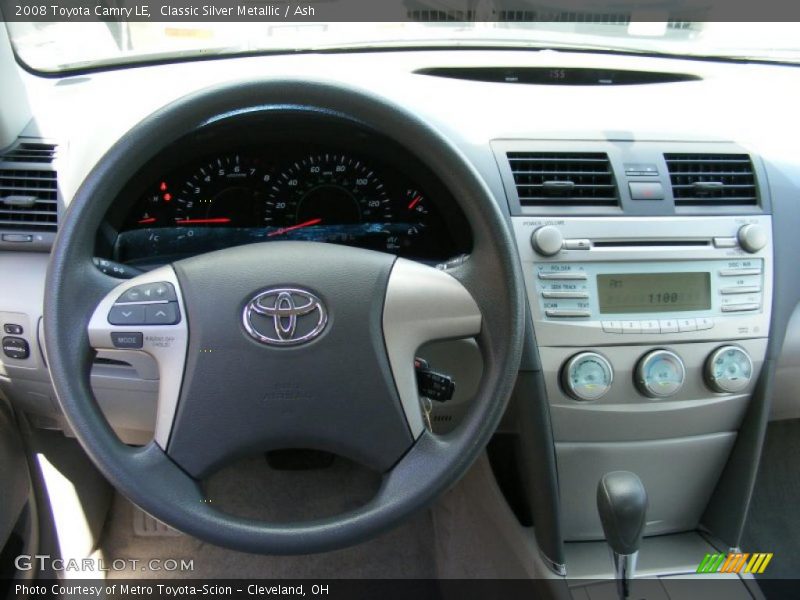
point(595, 281)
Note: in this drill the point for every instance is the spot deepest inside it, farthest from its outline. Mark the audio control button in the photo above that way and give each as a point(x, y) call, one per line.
point(577, 244)
point(740, 289)
point(705, 323)
point(651, 326)
point(687, 325)
point(561, 276)
point(631, 327)
point(562, 313)
point(565, 295)
point(668, 325)
point(725, 242)
point(612, 326)
point(740, 272)
point(745, 306)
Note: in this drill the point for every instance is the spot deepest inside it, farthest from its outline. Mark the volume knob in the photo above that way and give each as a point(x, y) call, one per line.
point(547, 240)
point(752, 237)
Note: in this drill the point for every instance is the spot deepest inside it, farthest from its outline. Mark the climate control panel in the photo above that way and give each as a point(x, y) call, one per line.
point(658, 374)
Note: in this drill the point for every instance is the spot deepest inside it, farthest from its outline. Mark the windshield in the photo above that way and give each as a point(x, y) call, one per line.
point(63, 46)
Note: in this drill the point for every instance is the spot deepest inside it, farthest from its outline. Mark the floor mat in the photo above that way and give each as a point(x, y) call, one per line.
point(773, 523)
point(254, 489)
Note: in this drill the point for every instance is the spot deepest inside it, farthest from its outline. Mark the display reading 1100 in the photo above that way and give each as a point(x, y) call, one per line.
point(622, 293)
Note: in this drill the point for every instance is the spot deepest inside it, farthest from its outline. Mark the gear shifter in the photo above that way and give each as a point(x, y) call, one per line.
point(622, 504)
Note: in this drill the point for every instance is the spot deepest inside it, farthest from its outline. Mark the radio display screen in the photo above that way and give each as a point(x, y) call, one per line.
point(653, 292)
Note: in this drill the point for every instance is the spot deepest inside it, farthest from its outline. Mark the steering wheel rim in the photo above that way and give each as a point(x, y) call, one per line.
point(148, 475)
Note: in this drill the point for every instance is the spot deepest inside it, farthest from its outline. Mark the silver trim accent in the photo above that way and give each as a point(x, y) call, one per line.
point(167, 344)
point(559, 569)
point(422, 304)
point(284, 309)
point(714, 383)
point(624, 571)
point(641, 380)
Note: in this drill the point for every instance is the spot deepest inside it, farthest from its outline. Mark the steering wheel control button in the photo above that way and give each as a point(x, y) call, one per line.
point(149, 292)
point(127, 339)
point(12, 329)
point(660, 374)
point(162, 314)
point(126, 314)
point(587, 376)
point(729, 369)
point(16, 347)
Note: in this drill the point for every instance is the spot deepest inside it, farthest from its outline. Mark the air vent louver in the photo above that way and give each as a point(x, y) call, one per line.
point(563, 178)
point(28, 188)
point(712, 179)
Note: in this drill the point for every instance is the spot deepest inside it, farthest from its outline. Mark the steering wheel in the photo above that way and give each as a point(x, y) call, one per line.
point(283, 344)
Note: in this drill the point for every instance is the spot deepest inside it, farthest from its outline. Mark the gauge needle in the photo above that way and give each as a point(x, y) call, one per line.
point(414, 202)
point(283, 230)
point(147, 220)
point(203, 221)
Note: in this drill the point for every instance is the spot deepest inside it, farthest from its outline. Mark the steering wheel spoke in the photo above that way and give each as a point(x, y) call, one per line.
point(147, 313)
point(422, 305)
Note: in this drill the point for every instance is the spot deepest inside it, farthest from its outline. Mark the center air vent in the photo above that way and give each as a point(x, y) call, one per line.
point(28, 188)
point(563, 178)
point(712, 179)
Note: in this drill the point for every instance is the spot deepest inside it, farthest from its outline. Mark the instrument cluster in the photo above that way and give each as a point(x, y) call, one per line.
point(324, 194)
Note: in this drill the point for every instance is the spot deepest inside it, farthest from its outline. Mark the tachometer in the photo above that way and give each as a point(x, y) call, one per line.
point(227, 191)
point(327, 197)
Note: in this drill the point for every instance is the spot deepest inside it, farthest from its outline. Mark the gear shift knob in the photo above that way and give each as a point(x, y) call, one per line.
point(622, 505)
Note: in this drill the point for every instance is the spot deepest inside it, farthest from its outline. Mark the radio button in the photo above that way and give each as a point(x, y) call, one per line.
point(741, 289)
point(561, 276)
point(745, 306)
point(650, 327)
point(687, 325)
point(668, 325)
point(705, 323)
point(612, 326)
point(740, 272)
point(559, 313)
point(565, 295)
point(631, 327)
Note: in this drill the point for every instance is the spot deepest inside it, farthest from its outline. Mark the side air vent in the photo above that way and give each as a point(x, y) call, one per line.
point(712, 179)
point(563, 178)
point(28, 191)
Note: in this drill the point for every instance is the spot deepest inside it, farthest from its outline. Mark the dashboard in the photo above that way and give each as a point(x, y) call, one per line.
point(232, 187)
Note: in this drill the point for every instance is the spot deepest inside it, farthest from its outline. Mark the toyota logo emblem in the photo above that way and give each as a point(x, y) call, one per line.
point(284, 317)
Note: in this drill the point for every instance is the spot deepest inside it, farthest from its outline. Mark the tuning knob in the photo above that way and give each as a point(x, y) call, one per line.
point(752, 237)
point(547, 240)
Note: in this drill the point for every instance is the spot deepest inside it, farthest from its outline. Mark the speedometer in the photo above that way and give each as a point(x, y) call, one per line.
point(328, 197)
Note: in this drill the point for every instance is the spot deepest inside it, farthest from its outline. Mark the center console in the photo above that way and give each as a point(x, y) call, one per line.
point(648, 269)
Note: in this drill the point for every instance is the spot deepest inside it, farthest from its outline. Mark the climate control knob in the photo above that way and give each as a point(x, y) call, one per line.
point(587, 376)
point(660, 374)
point(729, 369)
point(547, 240)
point(752, 237)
